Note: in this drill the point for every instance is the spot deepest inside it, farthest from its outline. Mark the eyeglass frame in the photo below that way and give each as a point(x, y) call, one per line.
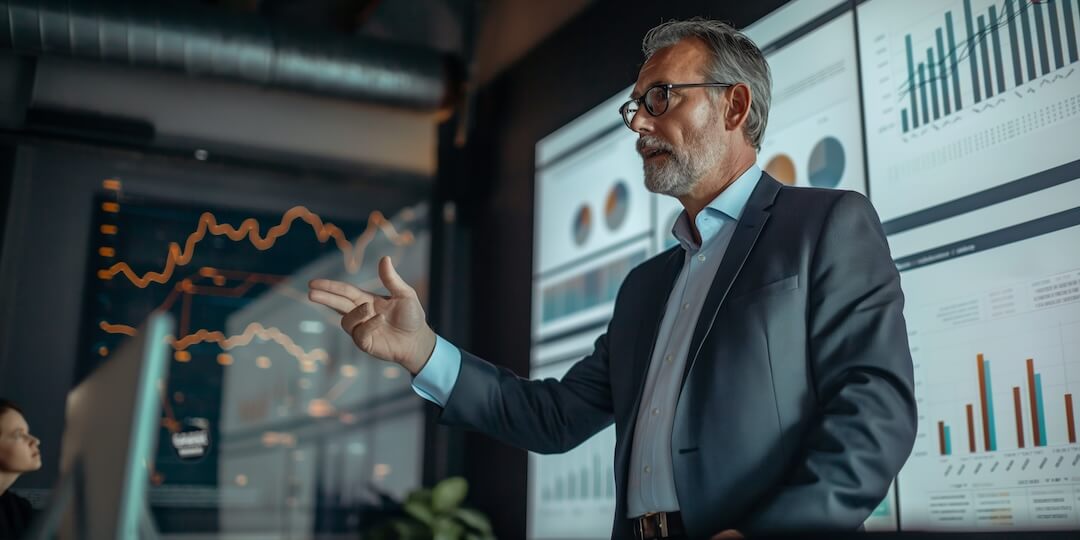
point(667, 87)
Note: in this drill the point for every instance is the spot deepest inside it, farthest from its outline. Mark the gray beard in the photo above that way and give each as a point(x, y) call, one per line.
point(674, 177)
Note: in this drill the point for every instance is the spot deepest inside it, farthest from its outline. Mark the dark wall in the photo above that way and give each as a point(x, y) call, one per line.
point(589, 60)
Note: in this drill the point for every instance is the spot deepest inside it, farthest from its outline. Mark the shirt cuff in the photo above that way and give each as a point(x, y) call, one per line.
point(436, 380)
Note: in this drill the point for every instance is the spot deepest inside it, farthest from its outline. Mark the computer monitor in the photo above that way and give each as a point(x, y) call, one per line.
point(109, 442)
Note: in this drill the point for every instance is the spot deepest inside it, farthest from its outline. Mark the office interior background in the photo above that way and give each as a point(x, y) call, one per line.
point(208, 158)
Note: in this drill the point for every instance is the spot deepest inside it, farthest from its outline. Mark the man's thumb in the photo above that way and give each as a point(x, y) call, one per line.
point(391, 280)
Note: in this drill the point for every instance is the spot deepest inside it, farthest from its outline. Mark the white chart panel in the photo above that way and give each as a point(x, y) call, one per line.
point(591, 200)
point(965, 95)
point(583, 295)
point(994, 324)
point(571, 495)
point(814, 134)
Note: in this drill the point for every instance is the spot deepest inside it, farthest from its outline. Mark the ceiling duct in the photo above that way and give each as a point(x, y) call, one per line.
point(205, 42)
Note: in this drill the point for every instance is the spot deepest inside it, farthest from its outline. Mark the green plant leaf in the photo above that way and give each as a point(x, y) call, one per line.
point(411, 530)
point(447, 528)
point(449, 494)
point(422, 496)
point(421, 512)
point(474, 519)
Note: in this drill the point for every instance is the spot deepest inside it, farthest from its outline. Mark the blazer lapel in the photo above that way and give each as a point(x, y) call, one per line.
point(746, 234)
point(652, 313)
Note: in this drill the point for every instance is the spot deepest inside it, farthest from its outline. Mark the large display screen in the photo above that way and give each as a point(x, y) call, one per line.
point(958, 119)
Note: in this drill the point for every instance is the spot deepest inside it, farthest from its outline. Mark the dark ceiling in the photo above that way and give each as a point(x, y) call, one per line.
point(490, 33)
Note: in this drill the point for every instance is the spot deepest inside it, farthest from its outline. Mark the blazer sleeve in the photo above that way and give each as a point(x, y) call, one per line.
point(862, 377)
point(545, 416)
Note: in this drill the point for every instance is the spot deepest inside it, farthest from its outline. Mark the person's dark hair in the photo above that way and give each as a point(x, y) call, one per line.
point(8, 405)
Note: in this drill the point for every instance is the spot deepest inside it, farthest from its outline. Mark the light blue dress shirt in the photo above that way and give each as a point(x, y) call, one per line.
point(651, 486)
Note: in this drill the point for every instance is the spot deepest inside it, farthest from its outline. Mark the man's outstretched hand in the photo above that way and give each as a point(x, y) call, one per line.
point(391, 328)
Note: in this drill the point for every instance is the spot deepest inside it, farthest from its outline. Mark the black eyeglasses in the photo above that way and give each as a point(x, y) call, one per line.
point(656, 99)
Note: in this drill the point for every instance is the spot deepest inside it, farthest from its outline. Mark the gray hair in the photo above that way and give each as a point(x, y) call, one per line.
point(735, 59)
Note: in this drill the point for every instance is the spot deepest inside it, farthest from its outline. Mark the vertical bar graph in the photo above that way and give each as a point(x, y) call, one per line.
point(1033, 402)
point(989, 87)
point(1055, 33)
point(1018, 33)
point(1041, 410)
point(933, 83)
point(944, 440)
point(980, 416)
point(952, 58)
point(1070, 29)
point(1019, 417)
point(986, 403)
point(922, 93)
point(996, 47)
point(943, 70)
point(1018, 74)
point(1029, 45)
point(971, 51)
point(1040, 38)
point(911, 82)
point(971, 427)
point(1069, 419)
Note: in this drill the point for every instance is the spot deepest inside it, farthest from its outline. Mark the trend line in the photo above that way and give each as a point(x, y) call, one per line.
point(118, 328)
point(252, 331)
point(249, 228)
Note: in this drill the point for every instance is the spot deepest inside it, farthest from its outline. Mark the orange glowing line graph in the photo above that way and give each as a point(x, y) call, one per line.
point(252, 331)
point(249, 228)
point(118, 328)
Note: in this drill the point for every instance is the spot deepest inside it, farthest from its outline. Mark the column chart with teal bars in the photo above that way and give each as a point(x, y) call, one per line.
point(572, 495)
point(993, 317)
point(964, 95)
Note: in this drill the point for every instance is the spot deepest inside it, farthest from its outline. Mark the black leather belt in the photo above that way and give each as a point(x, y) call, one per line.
point(658, 525)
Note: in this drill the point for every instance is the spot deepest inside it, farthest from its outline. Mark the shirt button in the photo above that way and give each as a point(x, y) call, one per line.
point(701, 258)
point(648, 469)
point(655, 412)
point(668, 359)
point(686, 306)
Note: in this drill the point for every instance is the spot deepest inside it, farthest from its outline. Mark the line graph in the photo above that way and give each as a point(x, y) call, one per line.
point(353, 252)
point(252, 331)
point(249, 348)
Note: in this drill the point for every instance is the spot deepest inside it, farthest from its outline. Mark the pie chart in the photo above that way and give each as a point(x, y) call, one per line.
point(582, 225)
point(616, 205)
point(782, 168)
point(826, 166)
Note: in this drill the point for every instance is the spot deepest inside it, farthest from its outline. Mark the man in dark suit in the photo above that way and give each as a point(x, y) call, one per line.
point(758, 374)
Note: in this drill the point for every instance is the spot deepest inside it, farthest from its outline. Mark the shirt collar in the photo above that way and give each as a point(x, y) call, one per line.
point(727, 206)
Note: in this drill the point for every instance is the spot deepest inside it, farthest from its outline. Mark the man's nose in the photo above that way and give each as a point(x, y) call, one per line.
point(642, 122)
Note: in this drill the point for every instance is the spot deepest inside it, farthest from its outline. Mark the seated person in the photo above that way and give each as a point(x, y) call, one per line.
point(18, 454)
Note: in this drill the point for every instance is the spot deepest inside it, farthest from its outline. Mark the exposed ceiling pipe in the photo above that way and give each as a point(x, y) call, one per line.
point(200, 41)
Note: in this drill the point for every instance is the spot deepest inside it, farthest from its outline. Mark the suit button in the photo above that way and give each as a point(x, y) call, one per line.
point(686, 305)
point(655, 412)
point(648, 469)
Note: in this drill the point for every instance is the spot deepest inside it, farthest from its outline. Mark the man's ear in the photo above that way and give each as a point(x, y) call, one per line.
point(738, 99)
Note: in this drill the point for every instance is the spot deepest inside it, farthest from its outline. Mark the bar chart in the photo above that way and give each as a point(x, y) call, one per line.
point(572, 495)
point(961, 96)
point(993, 41)
point(981, 425)
point(994, 329)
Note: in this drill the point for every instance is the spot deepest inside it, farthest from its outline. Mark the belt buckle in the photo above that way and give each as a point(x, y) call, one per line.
point(661, 524)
